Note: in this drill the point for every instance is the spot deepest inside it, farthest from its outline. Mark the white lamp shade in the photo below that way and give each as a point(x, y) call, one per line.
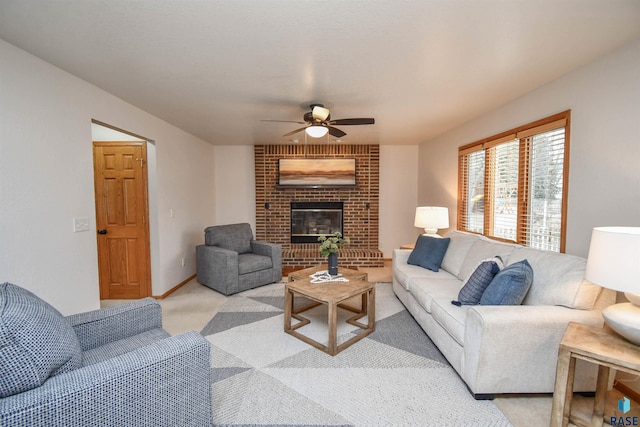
point(320, 113)
point(432, 217)
point(614, 258)
point(317, 131)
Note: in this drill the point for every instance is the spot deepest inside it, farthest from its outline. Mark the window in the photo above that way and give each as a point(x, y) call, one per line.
point(513, 186)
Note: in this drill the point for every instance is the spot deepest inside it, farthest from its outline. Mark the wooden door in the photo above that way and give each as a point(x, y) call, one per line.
point(122, 219)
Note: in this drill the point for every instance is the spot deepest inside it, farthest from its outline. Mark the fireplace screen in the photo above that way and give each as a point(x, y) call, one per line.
point(309, 220)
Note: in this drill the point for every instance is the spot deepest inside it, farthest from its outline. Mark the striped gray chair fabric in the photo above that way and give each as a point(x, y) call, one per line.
point(231, 261)
point(109, 367)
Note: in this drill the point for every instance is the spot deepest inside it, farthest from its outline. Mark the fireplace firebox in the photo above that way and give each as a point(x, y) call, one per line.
point(309, 220)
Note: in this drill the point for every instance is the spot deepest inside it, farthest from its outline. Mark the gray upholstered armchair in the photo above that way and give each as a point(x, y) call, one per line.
point(109, 367)
point(230, 261)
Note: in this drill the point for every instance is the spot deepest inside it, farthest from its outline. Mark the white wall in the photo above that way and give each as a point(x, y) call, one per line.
point(604, 172)
point(235, 185)
point(398, 196)
point(185, 185)
point(46, 179)
point(102, 133)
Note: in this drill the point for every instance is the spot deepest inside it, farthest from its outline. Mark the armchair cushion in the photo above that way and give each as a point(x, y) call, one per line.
point(235, 237)
point(248, 263)
point(36, 341)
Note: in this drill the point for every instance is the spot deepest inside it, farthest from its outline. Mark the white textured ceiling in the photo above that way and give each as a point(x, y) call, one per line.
point(215, 68)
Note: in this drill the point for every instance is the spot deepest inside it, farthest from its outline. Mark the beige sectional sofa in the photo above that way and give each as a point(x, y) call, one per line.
point(502, 349)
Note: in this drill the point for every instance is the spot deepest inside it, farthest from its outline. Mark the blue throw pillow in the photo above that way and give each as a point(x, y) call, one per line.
point(429, 252)
point(477, 282)
point(510, 285)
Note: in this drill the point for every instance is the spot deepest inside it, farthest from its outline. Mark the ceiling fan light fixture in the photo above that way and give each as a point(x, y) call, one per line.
point(320, 113)
point(316, 131)
point(318, 123)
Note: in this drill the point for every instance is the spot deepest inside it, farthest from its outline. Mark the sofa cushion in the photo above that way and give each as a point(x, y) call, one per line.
point(405, 274)
point(558, 279)
point(234, 237)
point(36, 341)
point(484, 248)
point(450, 317)
point(457, 251)
point(429, 252)
point(474, 286)
point(510, 285)
point(424, 290)
point(248, 263)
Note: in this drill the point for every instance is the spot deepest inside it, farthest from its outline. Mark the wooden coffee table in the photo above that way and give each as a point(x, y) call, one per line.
point(348, 273)
point(334, 295)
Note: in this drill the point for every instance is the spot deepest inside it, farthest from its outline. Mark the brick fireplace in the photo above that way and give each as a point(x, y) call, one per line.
point(360, 207)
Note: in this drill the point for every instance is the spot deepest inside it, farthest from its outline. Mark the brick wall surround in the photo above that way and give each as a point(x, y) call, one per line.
point(360, 221)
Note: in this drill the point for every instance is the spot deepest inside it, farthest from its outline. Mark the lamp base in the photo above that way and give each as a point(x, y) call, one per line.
point(634, 298)
point(625, 320)
point(431, 232)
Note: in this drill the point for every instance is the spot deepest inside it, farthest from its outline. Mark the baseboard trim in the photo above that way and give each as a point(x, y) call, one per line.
point(175, 288)
point(627, 391)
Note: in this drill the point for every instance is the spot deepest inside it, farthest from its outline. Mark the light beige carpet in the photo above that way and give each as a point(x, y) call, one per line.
point(193, 305)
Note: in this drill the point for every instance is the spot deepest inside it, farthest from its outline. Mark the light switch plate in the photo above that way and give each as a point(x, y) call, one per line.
point(80, 224)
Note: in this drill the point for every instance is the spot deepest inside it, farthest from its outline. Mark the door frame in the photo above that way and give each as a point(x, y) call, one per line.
point(144, 142)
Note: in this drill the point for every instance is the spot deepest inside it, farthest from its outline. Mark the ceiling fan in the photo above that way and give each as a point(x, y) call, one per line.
point(318, 123)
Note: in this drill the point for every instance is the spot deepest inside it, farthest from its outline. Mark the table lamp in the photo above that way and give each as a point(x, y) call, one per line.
point(614, 263)
point(431, 218)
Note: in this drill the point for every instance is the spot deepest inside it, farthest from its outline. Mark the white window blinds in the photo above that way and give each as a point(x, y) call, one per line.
point(503, 181)
point(471, 171)
point(546, 182)
point(513, 186)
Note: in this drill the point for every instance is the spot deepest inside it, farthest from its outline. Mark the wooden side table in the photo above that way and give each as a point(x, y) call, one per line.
point(596, 345)
point(408, 246)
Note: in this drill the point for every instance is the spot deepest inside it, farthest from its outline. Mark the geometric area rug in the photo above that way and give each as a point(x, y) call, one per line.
point(394, 377)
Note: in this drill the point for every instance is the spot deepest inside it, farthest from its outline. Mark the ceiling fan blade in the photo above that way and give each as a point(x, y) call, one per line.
point(361, 121)
point(335, 132)
point(284, 121)
point(294, 131)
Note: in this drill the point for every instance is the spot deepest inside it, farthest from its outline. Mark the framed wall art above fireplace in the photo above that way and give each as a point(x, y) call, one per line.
point(317, 173)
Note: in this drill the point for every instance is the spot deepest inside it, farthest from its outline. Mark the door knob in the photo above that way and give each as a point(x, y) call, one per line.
point(102, 231)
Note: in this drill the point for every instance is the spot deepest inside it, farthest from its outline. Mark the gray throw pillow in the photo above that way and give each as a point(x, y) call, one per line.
point(36, 341)
point(475, 285)
point(429, 252)
point(510, 285)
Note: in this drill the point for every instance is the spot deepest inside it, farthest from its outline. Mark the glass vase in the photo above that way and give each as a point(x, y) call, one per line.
point(333, 264)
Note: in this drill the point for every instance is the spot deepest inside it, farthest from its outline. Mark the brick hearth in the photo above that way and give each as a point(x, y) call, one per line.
point(361, 207)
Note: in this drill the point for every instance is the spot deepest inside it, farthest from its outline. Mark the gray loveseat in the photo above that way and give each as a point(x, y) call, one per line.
point(109, 367)
point(231, 261)
point(500, 349)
